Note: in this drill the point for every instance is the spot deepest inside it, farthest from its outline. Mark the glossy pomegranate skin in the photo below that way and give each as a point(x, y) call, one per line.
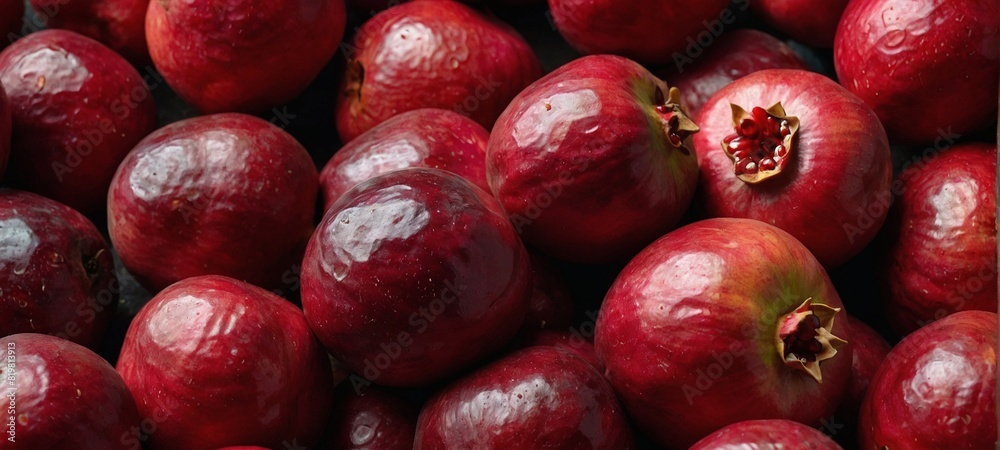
point(810, 22)
point(56, 272)
point(6, 126)
point(420, 138)
point(243, 55)
point(706, 299)
point(734, 55)
point(940, 242)
point(369, 419)
point(648, 31)
point(582, 163)
point(541, 397)
point(832, 195)
point(218, 362)
point(225, 194)
point(413, 276)
point(901, 56)
point(119, 24)
point(11, 19)
point(78, 108)
point(432, 54)
point(767, 434)
point(66, 397)
point(937, 388)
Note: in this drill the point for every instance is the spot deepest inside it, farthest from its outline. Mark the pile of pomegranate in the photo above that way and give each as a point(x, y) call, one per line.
point(499, 224)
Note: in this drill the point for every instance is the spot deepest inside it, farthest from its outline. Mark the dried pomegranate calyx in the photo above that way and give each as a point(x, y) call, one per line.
point(805, 337)
point(762, 144)
point(679, 127)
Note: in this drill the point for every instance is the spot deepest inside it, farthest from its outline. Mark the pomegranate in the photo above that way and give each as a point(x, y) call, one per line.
point(421, 138)
point(432, 54)
point(937, 388)
point(11, 20)
point(5, 130)
point(593, 161)
point(119, 24)
point(225, 194)
point(808, 21)
point(61, 396)
point(215, 362)
point(414, 275)
point(870, 350)
point(541, 397)
point(939, 58)
point(794, 149)
point(769, 434)
point(940, 242)
point(734, 55)
point(722, 321)
point(649, 31)
point(78, 108)
point(551, 304)
point(242, 55)
point(56, 271)
point(369, 419)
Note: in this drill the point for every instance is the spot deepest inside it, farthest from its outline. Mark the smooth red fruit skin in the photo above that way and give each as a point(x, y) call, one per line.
point(78, 108)
point(432, 54)
point(902, 56)
point(767, 434)
point(225, 194)
point(832, 196)
point(572, 341)
point(413, 276)
point(541, 397)
point(810, 22)
point(242, 55)
point(218, 362)
point(6, 126)
point(56, 272)
point(705, 299)
point(582, 164)
point(64, 396)
point(369, 419)
point(427, 137)
point(11, 20)
point(940, 241)
point(734, 55)
point(648, 31)
point(119, 24)
point(937, 388)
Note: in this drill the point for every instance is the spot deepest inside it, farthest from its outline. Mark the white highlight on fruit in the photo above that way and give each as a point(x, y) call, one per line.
point(17, 244)
point(953, 204)
point(546, 123)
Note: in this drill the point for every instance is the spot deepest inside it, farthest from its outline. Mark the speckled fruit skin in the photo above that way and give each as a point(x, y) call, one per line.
point(706, 299)
point(734, 55)
point(78, 108)
point(940, 241)
point(119, 24)
point(767, 434)
point(833, 194)
point(648, 31)
point(369, 419)
point(11, 16)
point(413, 276)
point(432, 54)
point(66, 397)
point(420, 138)
point(582, 164)
point(225, 194)
point(902, 56)
point(810, 22)
point(242, 55)
point(937, 388)
point(6, 125)
point(218, 362)
point(56, 272)
point(541, 397)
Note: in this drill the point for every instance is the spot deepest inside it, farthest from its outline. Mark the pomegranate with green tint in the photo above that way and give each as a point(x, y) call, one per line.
point(794, 149)
point(722, 321)
point(593, 161)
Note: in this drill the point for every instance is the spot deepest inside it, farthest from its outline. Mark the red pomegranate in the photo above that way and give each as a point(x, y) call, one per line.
point(766, 434)
point(811, 22)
